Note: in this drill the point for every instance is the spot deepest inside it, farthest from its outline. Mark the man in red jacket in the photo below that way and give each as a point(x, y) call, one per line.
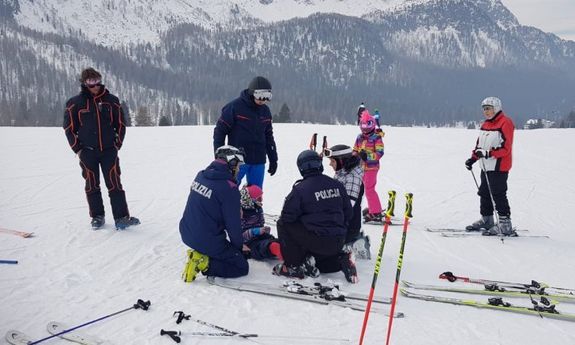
point(493, 150)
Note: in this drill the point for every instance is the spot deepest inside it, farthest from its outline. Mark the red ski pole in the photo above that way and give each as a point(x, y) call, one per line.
point(407, 215)
point(388, 215)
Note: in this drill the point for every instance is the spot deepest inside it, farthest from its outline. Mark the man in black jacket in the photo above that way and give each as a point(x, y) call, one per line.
point(95, 128)
point(247, 122)
point(313, 224)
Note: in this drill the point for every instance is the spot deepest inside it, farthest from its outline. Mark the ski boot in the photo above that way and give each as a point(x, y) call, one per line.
point(348, 268)
point(373, 218)
point(197, 262)
point(504, 228)
point(309, 268)
point(361, 247)
point(485, 223)
point(98, 222)
point(124, 222)
point(289, 271)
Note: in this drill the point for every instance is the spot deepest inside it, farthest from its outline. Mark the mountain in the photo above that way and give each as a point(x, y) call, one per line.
point(419, 61)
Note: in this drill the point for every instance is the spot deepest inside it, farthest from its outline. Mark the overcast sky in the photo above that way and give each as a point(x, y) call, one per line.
point(556, 16)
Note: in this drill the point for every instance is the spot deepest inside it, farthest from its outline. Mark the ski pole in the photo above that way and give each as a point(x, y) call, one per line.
point(407, 216)
point(10, 262)
point(139, 305)
point(176, 336)
point(474, 179)
point(388, 215)
point(491, 197)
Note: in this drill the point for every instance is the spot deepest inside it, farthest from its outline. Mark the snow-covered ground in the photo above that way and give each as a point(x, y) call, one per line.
point(72, 274)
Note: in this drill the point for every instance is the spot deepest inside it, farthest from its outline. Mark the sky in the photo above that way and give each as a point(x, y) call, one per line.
point(554, 16)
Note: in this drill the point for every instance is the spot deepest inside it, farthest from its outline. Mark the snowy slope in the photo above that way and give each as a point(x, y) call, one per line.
point(72, 274)
point(136, 21)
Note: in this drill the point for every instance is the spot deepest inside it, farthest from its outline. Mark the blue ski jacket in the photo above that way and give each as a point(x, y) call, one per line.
point(249, 126)
point(213, 208)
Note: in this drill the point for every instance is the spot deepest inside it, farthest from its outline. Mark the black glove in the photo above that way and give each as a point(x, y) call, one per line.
point(469, 163)
point(363, 155)
point(273, 168)
point(480, 153)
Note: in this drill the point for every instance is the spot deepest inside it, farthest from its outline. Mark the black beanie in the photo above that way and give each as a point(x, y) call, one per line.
point(259, 83)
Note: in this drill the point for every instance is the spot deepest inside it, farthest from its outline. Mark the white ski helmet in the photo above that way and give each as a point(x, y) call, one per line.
point(494, 102)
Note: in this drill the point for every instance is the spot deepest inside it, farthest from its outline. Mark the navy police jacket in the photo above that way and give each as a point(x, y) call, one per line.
point(320, 203)
point(94, 122)
point(249, 126)
point(213, 208)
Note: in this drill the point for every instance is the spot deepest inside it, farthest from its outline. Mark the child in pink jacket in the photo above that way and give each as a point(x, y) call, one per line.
point(369, 147)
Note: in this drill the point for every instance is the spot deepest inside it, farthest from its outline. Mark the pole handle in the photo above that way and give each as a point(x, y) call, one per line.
point(408, 205)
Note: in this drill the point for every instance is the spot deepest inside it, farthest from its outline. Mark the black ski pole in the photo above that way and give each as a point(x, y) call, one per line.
point(496, 214)
point(139, 305)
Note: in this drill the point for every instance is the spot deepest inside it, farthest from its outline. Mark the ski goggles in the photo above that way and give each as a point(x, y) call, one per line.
point(263, 95)
point(90, 83)
point(329, 153)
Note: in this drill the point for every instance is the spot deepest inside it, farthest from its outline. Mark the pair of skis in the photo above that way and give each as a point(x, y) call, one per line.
point(57, 329)
point(543, 307)
point(317, 293)
point(313, 144)
point(459, 232)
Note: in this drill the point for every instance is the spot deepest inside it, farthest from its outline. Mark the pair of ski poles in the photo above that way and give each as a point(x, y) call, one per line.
point(388, 215)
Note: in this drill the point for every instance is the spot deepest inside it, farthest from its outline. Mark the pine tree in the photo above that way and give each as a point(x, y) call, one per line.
point(284, 115)
point(143, 117)
point(165, 121)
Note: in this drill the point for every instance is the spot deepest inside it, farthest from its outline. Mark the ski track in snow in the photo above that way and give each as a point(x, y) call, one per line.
point(71, 274)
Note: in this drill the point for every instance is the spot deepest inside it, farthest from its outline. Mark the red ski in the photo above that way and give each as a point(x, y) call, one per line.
point(17, 233)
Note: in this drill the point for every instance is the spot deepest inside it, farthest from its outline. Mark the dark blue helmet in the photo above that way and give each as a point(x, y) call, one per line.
point(309, 161)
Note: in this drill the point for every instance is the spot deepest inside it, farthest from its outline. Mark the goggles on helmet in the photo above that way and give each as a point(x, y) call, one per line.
point(263, 95)
point(329, 153)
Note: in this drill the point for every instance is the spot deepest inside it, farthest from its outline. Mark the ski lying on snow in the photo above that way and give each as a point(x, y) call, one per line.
point(17, 233)
point(449, 276)
point(495, 303)
point(462, 230)
point(493, 290)
point(18, 338)
point(303, 295)
point(54, 327)
point(479, 234)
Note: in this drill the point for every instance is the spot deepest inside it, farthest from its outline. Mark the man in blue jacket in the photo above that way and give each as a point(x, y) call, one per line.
point(313, 224)
point(247, 122)
point(212, 210)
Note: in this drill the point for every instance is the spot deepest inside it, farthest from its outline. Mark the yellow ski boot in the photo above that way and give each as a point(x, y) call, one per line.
point(197, 262)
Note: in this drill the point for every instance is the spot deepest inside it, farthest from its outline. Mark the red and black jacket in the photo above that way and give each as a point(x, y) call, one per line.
point(496, 136)
point(94, 122)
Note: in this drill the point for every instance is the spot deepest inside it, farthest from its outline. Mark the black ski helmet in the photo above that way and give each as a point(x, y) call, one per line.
point(309, 161)
point(259, 83)
point(340, 153)
point(233, 156)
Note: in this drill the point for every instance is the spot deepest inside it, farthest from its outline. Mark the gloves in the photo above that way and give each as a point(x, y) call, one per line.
point(481, 153)
point(469, 163)
point(363, 155)
point(273, 167)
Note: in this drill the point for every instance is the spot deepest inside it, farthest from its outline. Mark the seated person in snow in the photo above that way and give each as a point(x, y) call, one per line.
point(349, 172)
point(259, 244)
point(212, 212)
point(312, 226)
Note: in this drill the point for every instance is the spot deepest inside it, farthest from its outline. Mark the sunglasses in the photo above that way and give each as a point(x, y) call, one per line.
point(91, 83)
point(488, 107)
point(263, 95)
